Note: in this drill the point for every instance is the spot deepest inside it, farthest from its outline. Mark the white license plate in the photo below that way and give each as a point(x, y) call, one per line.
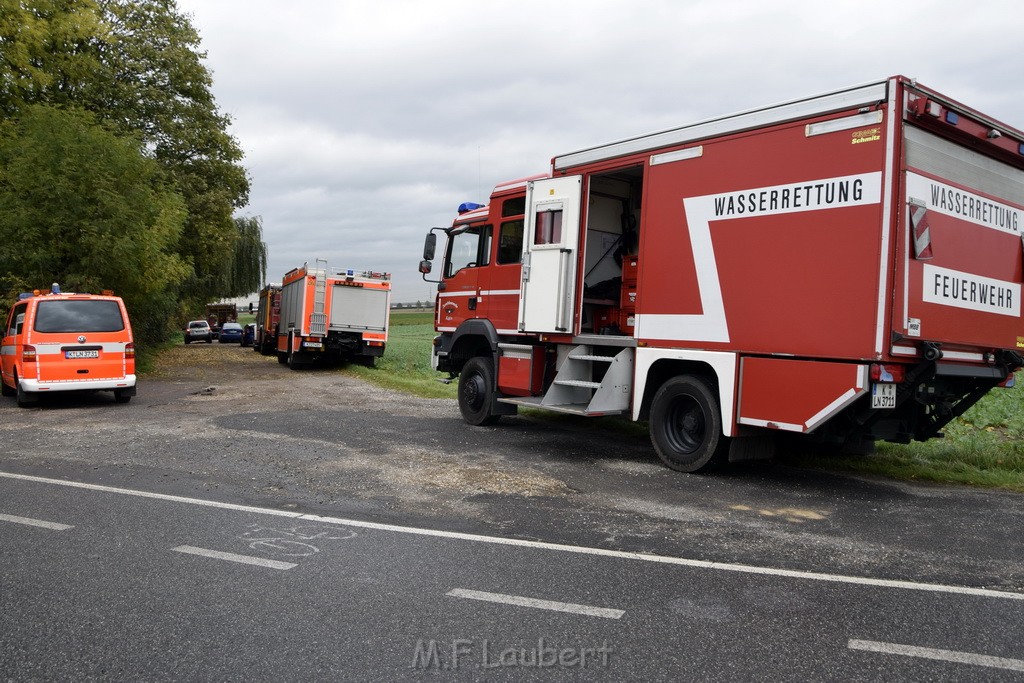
point(82, 354)
point(312, 345)
point(883, 395)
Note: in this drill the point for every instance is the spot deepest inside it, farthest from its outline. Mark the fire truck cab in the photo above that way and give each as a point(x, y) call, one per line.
point(67, 342)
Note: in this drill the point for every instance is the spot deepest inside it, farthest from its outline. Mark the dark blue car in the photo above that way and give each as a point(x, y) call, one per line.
point(231, 333)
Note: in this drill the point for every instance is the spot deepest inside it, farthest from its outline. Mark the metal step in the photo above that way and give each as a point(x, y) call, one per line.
point(600, 359)
point(605, 340)
point(570, 408)
point(578, 383)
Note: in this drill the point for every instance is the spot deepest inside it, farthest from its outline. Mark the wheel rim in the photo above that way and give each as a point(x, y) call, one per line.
point(473, 392)
point(686, 426)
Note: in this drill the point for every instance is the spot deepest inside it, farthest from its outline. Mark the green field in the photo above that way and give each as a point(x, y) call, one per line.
point(406, 362)
point(985, 447)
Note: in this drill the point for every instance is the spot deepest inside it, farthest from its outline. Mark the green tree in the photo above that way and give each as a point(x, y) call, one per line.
point(154, 82)
point(137, 65)
point(249, 265)
point(83, 206)
point(48, 50)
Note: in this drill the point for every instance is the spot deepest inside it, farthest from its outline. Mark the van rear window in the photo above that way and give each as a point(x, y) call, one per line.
point(78, 316)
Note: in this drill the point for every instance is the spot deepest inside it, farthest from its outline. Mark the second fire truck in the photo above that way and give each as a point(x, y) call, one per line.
point(333, 316)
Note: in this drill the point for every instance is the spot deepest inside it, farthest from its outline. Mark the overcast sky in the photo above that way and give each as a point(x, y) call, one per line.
point(364, 123)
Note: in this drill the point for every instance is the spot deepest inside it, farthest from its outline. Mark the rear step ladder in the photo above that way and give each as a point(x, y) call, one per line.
point(318, 319)
point(587, 383)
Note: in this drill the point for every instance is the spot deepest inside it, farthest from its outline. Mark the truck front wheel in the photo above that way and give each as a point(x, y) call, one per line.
point(476, 388)
point(686, 425)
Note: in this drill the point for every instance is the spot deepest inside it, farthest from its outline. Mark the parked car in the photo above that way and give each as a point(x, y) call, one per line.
point(248, 334)
point(198, 330)
point(230, 333)
point(67, 342)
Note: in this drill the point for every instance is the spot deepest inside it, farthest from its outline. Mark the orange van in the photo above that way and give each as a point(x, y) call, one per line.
point(67, 342)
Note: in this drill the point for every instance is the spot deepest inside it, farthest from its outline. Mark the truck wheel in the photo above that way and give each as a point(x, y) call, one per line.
point(282, 358)
point(686, 425)
point(6, 390)
point(122, 396)
point(476, 387)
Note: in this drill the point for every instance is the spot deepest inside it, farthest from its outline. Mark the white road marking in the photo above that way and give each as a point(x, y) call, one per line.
point(521, 601)
point(36, 522)
point(941, 655)
point(539, 545)
point(232, 557)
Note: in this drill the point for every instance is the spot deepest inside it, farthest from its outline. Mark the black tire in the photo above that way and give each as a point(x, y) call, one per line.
point(686, 425)
point(122, 396)
point(6, 390)
point(187, 340)
point(25, 398)
point(476, 389)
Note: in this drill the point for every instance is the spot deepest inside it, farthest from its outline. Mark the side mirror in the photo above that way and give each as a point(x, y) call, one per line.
point(428, 250)
point(426, 266)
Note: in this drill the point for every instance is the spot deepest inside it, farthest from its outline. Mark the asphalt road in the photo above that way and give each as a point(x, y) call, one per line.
point(356, 534)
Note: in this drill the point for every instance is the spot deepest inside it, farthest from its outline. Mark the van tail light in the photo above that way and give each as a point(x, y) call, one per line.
point(887, 373)
point(129, 350)
point(28, 354)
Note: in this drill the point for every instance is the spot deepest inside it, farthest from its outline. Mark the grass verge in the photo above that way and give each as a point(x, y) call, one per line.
point(406, 362)
point(984, 447)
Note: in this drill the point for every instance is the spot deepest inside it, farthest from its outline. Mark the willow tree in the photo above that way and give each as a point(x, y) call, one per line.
point(249, 263)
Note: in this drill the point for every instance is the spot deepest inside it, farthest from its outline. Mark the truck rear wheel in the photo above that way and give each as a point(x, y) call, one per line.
point(476, 388)
point(6, 390)
point(686, 425)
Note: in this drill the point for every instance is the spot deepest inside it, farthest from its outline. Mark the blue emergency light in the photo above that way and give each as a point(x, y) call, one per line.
point(469, 206)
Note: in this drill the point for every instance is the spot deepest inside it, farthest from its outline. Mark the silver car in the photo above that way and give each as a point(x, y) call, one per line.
point(198, 330)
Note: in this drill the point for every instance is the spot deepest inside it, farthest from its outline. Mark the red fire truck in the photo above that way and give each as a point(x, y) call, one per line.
point(342, 316)
point(846, 267)
point(268, 312)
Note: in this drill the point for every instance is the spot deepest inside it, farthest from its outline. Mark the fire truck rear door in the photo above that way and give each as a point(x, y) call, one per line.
point(549, 255)
point(962, 269)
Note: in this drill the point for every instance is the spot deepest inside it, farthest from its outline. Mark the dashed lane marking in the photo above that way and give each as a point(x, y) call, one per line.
point(941, 655)
point(521, 601)
point(36, 522)
point(232, 557)
point(556, 547)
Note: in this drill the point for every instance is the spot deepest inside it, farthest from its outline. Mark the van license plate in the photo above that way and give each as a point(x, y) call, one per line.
point(883, 395)
point(82, 354)
point(312, 345)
